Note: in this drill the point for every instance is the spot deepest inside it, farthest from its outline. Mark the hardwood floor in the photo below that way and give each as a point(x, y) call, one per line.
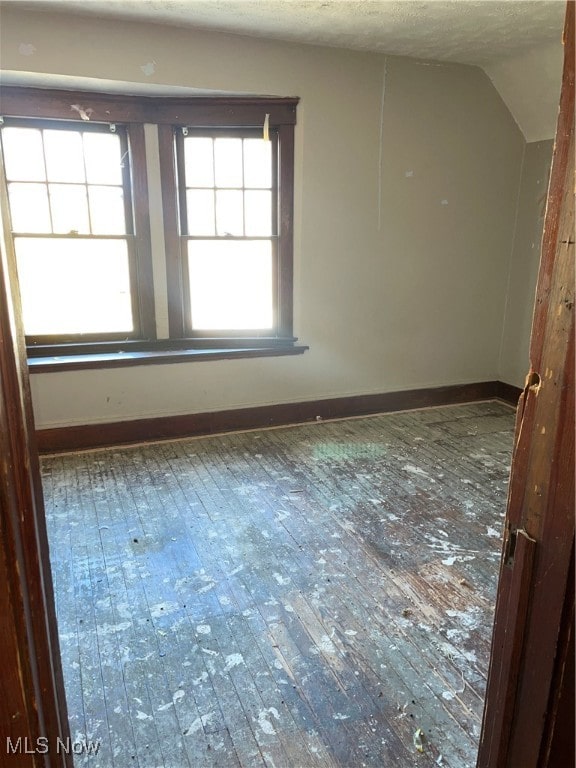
point(295, 597)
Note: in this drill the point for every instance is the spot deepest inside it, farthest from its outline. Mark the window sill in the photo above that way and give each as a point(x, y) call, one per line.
point(127, 359)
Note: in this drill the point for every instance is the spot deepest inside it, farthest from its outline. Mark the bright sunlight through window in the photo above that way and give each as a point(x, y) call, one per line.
point(68, 208)
point(230, 225)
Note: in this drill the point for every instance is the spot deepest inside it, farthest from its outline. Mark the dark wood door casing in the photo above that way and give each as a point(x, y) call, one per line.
point(533, 629)
point(32, 702)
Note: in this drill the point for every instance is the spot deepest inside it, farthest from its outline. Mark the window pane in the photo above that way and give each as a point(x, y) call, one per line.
point(64, 156)
point(29, 207)
point(69, 208)
point(258, 213)
point(23, 154)
point(107, 210)
point(230, 284)
point(229, 212)
point(228, 162)
point(103, 158)
point(200, 204)
point(74, 286)
point(257, 163)
point(199, 161)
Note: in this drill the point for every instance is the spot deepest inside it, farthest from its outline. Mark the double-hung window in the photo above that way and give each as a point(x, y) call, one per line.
point(77, 214)
point(72, 224)
point(228, 210)
point(228, 213)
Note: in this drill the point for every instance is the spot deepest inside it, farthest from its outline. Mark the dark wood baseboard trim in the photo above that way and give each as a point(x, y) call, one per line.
point(189, 425)
point(508, 392)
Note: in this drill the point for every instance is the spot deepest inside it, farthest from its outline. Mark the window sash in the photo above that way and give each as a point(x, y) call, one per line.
point(171, 144)
point(73, 126)
point(182, 187)
point(67, 338)
point(229, 333)
point(186, 237)
point(136, 236)
point(64, 278)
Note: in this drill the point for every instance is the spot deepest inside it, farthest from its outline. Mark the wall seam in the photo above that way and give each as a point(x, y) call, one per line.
point(381, 139)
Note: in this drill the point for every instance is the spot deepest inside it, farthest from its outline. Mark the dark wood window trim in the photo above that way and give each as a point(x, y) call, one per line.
point(158, 356)
point(286, 232)
point(282, 135)
point(167, 113)
point(174, 273)
point(143, 265)
point(105, 108)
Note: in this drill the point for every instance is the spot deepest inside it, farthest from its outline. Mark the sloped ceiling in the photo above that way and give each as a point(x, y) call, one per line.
point(529, 83)
point(517, 42)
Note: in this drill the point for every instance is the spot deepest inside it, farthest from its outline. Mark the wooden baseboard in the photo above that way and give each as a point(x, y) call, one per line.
point(508, 392)
point(189, 425)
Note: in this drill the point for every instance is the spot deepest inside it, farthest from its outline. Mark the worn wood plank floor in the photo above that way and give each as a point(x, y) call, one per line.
point(296, 597)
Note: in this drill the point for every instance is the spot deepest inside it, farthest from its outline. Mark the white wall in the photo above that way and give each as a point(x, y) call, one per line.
point(402, 246)
point(514, 352)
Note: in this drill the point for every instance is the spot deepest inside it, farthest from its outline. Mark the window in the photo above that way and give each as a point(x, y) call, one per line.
point(72, 224)
point(227, 193)
point(228, 217)
point(76, 205)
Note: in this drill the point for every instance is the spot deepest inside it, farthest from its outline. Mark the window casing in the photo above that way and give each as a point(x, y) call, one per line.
point(178, 121)
point(178, 233)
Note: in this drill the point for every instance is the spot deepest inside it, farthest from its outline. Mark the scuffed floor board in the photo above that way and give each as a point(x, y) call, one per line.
point(300, 597)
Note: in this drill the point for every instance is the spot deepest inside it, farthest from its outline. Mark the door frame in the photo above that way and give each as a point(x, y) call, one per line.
point(533, 632)
point(33, 714)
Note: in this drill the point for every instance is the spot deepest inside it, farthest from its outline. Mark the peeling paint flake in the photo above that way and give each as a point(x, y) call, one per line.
point(233, 660)
point(84, 112)
point(417, 471)
point(264, 720)
point(26, 49)
point(198, 724)
point(149, 68)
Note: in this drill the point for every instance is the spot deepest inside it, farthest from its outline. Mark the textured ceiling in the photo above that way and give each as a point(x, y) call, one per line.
point(517, 42)
point(465, 31)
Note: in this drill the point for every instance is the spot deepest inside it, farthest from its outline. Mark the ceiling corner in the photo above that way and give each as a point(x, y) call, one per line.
point(529, 84)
